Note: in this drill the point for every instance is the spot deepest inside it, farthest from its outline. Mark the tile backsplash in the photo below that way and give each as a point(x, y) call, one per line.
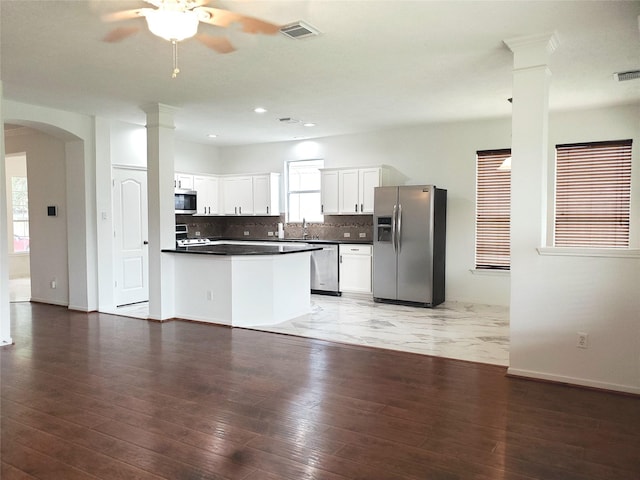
point(335, 227)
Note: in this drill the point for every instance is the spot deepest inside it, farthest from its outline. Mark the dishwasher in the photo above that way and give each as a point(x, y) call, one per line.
point(324, 269)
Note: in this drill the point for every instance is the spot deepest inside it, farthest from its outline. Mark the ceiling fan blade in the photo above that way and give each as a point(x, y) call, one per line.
point(224, 18)
point(122, 15)
point(219, 44)
point(119, 33)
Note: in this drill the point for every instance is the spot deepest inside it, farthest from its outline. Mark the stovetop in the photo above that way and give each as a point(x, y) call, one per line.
point(190, 242)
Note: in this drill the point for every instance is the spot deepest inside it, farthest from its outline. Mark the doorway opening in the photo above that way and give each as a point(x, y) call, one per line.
point(18, 227)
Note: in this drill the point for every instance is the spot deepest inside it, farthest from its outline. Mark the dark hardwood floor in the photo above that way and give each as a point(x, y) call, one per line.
point(87, 396)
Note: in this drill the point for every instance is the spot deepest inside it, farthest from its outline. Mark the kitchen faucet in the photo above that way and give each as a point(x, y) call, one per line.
point(305, 232)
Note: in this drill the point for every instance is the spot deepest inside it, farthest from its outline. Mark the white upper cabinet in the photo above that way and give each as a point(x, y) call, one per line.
point(237, 192)
point(266, 194)
point(208, 188)
point(257, 194)
point(368, 179)
point(183, 181)
point(349, 191)
point(329, 195)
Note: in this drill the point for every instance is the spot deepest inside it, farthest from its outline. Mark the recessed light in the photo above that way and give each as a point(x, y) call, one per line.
point(260, 110)
point(212, 135)
point(309, 124)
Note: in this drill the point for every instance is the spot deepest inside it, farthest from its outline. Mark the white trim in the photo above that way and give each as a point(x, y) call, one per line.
point(129, 167)
point(573, 381)
point(490, 272)
point(589, 252)
point(51, 302)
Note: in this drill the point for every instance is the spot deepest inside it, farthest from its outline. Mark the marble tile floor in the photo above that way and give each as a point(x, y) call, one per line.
point(20, 289)
point(464, 331)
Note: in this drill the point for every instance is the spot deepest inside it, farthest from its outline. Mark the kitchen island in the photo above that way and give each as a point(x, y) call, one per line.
point(242, 284)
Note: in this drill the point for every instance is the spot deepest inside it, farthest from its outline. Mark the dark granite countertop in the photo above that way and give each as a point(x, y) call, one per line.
point(297, 240)
point(234, 249)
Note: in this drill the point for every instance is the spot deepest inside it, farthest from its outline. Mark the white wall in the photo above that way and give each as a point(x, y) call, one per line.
point(46, 172)
point(562, 295)
point(196, 157)
point(77, 131)
point(5, 320)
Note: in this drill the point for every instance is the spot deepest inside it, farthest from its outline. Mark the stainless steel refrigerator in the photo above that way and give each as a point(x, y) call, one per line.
point(409, 244)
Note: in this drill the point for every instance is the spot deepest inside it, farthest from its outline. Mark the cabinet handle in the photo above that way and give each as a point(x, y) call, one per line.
point(240, 210)
point(361, 207)
point(340, 258)
point(356, 208)
point(321, 208)
point(267, 209)
point(235, 210)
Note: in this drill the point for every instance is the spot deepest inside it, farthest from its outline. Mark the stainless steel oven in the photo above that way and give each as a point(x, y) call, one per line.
point(186, 201)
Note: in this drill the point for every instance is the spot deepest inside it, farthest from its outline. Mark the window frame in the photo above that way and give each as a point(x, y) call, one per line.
point(23, 221)
point(492, 236)
point(318, 191)
point(576, 224)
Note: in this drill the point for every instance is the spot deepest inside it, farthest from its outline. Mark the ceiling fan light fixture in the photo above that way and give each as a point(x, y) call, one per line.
point(172, 25)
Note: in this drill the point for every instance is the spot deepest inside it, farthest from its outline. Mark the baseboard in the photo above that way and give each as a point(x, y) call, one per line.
point(582, 382)
point(49, 302)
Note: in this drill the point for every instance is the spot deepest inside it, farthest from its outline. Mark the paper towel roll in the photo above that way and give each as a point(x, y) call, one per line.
point(280, 230)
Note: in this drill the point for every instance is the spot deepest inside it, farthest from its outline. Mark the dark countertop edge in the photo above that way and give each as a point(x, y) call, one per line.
point(296, 240)
point(201, 251)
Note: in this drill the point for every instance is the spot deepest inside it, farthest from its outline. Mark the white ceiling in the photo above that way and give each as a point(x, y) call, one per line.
point(376, 65)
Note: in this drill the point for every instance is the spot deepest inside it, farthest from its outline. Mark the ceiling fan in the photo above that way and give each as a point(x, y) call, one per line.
point(177, 20)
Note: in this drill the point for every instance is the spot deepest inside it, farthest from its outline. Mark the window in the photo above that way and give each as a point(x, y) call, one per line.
point(20, 214)
point(593, 193)
point(493, 210)
point(303, 190)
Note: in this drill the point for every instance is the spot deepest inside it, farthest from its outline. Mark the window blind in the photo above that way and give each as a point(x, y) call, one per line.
point(493, 210)
point(593, 193)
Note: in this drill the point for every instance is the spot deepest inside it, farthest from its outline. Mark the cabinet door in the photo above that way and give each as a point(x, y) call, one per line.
point(183, 181)
point(368, 179)
point(207, 188)
point(245, 195)
point(329, 192)
point(266, 194)
point(348, 187)
point(355, 268)
point(229, 196)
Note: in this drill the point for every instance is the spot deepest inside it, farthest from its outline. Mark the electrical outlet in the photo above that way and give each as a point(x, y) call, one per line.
point(583, 340)
point(347, 235)
point(209, 295)
point(246, 233)
point(197, 234)
point(54, 284)
point(269, 234)
point(362, 235)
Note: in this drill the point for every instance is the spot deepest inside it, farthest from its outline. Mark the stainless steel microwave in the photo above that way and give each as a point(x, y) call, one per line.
point(186, 201)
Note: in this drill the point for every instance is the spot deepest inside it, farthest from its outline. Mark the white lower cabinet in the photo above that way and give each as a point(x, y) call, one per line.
point(355, 268)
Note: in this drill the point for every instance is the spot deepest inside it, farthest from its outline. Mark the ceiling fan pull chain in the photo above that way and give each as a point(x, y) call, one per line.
point(176, 70)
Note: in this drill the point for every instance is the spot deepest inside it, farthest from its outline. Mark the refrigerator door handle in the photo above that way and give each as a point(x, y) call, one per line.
point(399, 225)
point(393, 227)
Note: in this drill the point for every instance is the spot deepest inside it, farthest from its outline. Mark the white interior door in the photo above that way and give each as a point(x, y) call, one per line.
point(130, 236)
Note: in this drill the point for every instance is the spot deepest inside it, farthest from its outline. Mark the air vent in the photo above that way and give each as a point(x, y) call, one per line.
point(624, 76)
point(299, 29)
point(288, 120)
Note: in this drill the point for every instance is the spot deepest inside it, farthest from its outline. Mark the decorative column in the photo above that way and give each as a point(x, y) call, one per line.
point(5, 321)
point(529, 151)
point(161, 207)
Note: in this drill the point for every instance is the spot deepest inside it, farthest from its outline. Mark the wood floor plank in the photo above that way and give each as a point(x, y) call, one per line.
point(87, 396)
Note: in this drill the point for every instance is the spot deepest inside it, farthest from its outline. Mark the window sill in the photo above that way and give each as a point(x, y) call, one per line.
point(589, 252)
point(490, 273)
